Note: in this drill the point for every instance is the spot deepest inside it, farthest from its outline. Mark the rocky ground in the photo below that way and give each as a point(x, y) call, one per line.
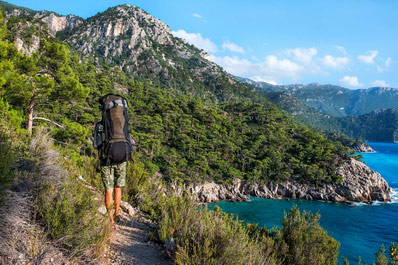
point(130, 244)
point(22, 241)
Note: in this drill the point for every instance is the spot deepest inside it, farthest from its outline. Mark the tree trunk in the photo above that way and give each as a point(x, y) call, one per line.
point(30, 115)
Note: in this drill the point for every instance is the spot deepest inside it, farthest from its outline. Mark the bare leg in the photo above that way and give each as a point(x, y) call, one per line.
point(108, 203)
point(118, 198)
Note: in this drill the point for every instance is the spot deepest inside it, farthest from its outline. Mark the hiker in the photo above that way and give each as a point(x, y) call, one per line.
point(115, 148)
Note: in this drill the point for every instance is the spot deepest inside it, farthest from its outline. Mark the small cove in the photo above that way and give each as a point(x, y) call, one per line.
point(361, 229)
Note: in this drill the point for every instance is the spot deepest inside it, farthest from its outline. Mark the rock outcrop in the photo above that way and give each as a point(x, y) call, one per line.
point(213, 192)
point(58, 23)
point(360, 184)
point(363, 148)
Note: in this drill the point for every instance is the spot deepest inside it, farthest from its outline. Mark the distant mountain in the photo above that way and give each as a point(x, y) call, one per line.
point(335, 100)
point(310, 116)
point(339, 101)
point(378, 125)
point(128, 38)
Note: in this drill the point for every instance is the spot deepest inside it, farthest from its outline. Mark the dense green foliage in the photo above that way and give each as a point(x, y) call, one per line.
point(308, 242)
point(11, 145)
point(380, 125)
point(48, 82)
point(188, 140)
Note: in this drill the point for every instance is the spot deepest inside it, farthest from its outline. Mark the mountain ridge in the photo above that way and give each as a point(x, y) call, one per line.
point(336, 100)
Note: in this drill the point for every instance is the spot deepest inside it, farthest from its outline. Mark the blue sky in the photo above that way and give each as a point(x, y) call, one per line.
point(349, 43)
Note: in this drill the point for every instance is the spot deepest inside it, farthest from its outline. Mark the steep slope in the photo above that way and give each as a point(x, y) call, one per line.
point(128, 37)
point(54, 21)
point(295, 107)
point(180, 138)
point(329, 99)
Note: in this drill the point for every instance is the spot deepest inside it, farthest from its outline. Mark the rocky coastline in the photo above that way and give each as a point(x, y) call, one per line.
point(360, 184)
point(363, 148)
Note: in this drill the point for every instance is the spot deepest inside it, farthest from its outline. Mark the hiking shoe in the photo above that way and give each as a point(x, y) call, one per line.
point(117, 219)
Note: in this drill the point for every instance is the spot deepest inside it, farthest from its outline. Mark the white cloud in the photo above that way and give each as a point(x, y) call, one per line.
point(350, 81)
point(368, 58)
point(380, 83)
point(302, 55)
point(254, 58)
point(197, 15)
point(388, 62)
point(197, 40)
point(342, 49)
point(335, 62)
point(379, 69)
point(233, 47)
point(270, 70)
point(260, 79)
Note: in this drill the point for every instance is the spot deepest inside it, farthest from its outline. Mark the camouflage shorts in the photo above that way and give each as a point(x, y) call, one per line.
point(114, 175)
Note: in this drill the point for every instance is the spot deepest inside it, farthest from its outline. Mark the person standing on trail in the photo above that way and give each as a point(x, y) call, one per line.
point(115, 148)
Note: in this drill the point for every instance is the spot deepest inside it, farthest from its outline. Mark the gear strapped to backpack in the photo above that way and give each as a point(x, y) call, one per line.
point(111, 135)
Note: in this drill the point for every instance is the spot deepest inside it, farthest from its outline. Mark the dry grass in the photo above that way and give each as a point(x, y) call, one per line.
point(66, 206)
point(23, 241)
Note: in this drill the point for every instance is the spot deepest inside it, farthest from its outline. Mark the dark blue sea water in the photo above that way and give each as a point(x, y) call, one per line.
point(361, 229)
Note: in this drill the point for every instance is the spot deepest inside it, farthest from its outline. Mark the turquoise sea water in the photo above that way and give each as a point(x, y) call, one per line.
point(361, 229)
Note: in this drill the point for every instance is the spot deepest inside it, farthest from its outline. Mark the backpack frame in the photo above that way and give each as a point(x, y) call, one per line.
point(111, 135)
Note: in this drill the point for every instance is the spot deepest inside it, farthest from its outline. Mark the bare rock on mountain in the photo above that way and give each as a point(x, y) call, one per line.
point(363, 148)
point(361, 183)
point(139, 43)
point(56, 22)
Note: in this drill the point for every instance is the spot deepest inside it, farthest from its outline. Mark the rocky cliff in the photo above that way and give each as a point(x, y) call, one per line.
point(360, 184)
point(36, 25)
point(363, 148)
point(58, 23)
point(139, 43)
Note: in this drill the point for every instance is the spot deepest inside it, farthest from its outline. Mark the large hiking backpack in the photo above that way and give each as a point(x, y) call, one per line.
point(111, 135)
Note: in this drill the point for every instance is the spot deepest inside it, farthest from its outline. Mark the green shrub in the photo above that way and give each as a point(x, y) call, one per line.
point(216, 238)
point(71, 215)
point(381, 257)
point(12, 144)
point(6, 174)
point(213, 237)
point(307, 242)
